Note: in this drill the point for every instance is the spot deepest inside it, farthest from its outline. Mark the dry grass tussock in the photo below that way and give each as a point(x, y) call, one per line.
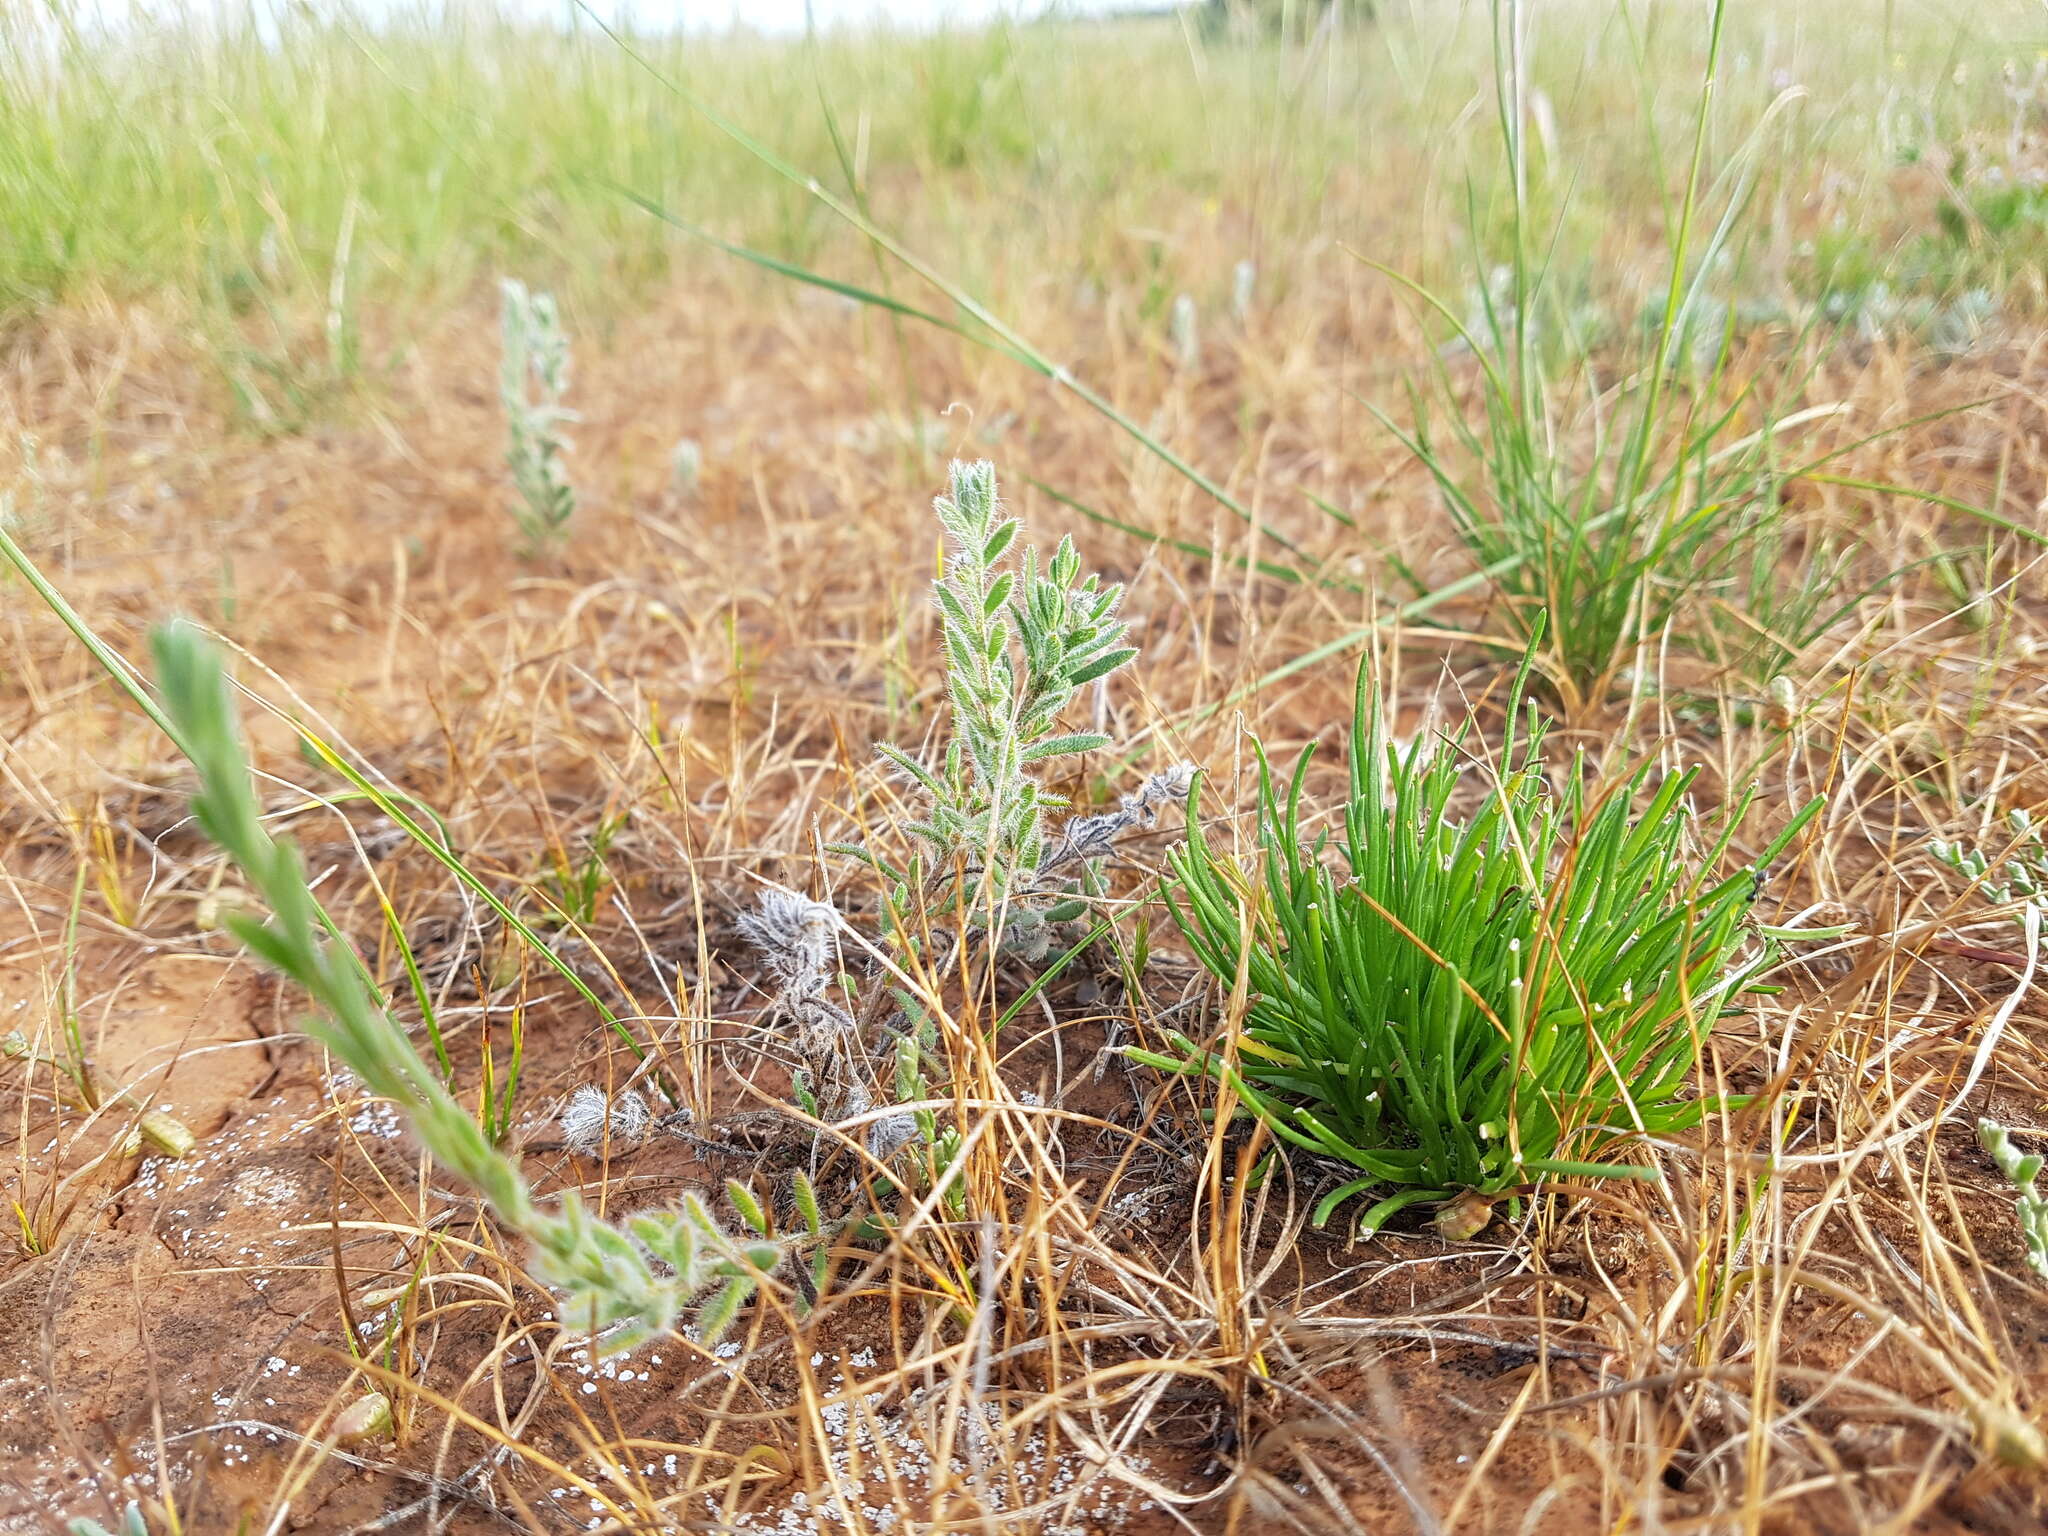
point(1817, 1316)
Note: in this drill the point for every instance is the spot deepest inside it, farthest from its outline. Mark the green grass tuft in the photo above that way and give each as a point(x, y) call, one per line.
point(1468, 1002)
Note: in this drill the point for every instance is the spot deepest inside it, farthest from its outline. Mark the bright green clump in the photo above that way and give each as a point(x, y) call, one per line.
point(1469, 1002)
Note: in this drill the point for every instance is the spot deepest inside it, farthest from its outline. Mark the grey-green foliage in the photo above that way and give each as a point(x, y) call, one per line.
point(2021, 874)
point(1020, 640)
point(532, 379)
point(2020, 1170)
point(624, 1283)
point(1187, 336)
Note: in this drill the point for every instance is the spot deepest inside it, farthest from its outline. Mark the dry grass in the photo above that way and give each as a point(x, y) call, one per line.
point(1817, 1318)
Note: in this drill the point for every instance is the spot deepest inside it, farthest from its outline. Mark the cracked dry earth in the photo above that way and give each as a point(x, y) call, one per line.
point(188, 1320)
point(156, 1332)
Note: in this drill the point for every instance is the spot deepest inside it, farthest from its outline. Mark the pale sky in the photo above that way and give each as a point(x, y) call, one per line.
point(644, 15)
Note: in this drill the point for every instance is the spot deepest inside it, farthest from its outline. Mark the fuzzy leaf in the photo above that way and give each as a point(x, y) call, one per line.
point(723, 1307)
point(807, 1203)
point(910, 768)
point(1102, 666)
point(743, 1201)
point(999, 541)
point(1066, 746)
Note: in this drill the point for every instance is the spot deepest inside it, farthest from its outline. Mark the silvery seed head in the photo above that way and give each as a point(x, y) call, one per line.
point(821, 1023)
point(854, 1099)
point(583, 1120)
point(586, 1115)
point(888, 1136)
point(629, 1118)
point(1167, 787)
point(793, 934)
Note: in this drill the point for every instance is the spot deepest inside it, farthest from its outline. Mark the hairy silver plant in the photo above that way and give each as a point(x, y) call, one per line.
point(891, 1134)
point(1020, 641)
point(794, 937)
point(990, 861)
point(1187, 339)
point(1086, 839)
point(532, 381)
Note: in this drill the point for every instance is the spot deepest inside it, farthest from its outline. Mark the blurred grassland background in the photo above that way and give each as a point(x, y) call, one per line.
point(263, 166)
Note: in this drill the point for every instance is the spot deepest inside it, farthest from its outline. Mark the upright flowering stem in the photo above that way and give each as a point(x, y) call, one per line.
point(623, 1283)
point(1019, 642)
